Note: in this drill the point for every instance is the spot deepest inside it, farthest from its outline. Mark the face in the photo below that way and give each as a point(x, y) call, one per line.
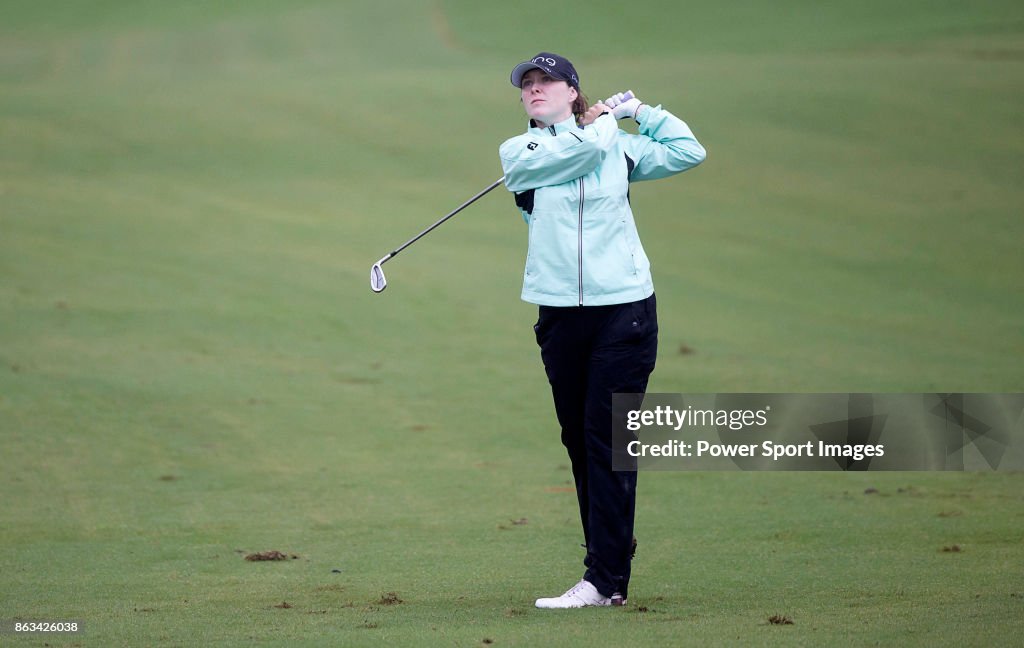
point(546, 100)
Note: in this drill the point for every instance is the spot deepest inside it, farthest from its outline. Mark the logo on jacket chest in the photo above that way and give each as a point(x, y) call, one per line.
point(531, 145)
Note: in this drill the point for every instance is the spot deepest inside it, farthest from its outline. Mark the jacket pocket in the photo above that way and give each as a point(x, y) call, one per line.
point(626, 249)
point(531, 251)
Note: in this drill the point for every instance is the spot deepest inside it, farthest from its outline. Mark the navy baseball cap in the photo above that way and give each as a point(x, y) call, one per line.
point(555, 66)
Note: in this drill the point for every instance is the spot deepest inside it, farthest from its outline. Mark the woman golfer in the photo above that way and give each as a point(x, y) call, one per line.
point(585, 267)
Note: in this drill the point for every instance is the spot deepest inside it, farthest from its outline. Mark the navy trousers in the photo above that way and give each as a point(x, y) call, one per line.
point(589, 353)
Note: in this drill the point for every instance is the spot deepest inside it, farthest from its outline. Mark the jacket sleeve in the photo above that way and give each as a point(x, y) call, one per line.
point(664, 147)
point(531, 162)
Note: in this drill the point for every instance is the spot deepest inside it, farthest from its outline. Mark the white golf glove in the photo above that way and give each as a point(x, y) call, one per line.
point(618, 98)
point(627, 109)
point(624, 105)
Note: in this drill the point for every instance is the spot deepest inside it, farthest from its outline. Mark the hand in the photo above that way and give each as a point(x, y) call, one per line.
point(593, 113)
point(627, 109)
point(618, 98)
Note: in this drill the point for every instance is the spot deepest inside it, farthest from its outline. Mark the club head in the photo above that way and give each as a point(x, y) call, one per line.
point(377, 281)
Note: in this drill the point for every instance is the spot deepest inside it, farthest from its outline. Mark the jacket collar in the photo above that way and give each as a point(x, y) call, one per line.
point(560, 127)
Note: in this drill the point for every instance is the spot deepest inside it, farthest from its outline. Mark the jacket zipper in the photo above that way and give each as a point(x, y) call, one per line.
point(580, 231)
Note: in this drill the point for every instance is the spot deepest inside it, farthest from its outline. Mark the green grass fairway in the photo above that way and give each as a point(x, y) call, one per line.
point(193, 367)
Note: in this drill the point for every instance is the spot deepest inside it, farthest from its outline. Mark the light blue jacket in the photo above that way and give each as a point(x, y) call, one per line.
point(572, 186)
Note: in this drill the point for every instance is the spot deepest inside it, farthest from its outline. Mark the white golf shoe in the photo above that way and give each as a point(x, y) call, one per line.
point(582, 594)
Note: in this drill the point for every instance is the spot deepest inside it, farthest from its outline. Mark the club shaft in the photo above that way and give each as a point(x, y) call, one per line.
point(449, 215)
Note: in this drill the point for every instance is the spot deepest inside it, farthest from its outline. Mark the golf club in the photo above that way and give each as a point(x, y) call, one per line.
point(377, 280)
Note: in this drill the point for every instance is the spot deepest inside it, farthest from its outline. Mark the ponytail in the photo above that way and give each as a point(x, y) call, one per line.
point(580, 105)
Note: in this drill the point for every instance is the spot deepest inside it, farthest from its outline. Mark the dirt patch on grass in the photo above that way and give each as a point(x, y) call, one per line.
point(391, 598)
point(520, 522)
point(270, 555)
point(283, 605)
point(952, 549)
point(780, 619)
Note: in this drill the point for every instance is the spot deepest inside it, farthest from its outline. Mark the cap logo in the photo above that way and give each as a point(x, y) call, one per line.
point(543, 59)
